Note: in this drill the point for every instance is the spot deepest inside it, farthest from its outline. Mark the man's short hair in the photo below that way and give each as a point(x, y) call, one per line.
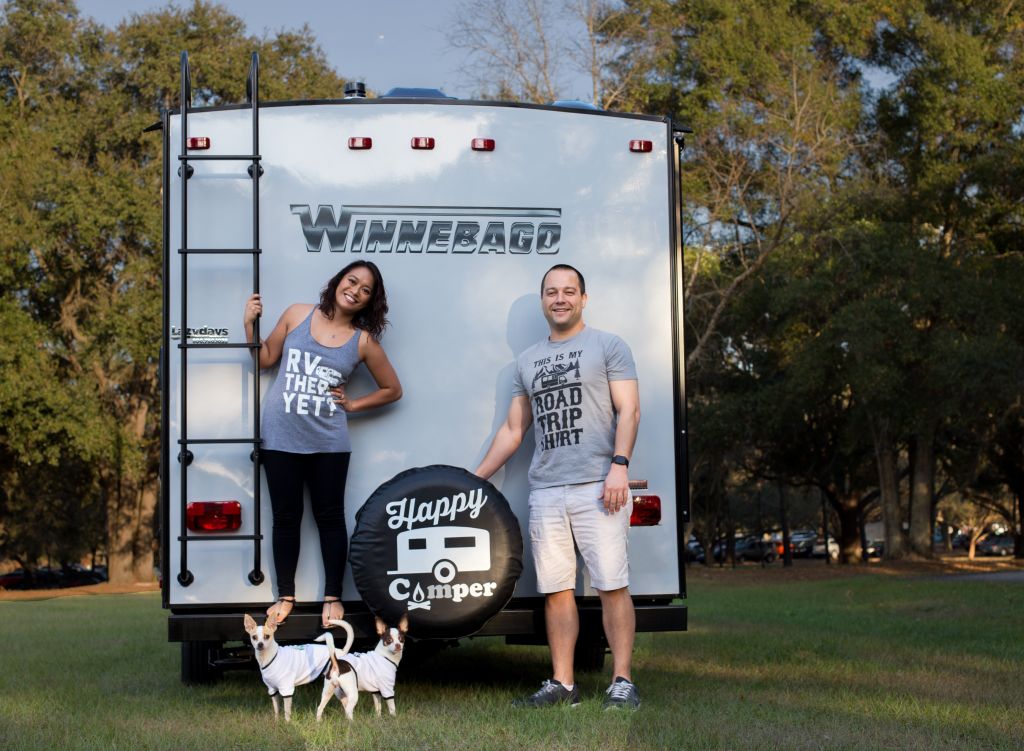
point(564, 267)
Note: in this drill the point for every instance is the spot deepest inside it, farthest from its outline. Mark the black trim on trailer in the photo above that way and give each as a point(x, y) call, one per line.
point(185, 456)
point(165, 431)
point(675, 144)
point(523, 621)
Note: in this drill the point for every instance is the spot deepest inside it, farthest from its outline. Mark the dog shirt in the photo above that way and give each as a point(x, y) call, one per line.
point(375, 673)
point(295, 666)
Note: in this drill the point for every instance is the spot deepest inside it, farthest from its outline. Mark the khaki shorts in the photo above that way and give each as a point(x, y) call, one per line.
point(568, 514)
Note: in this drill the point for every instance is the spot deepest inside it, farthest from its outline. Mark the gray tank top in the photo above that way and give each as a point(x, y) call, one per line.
point(299, 413)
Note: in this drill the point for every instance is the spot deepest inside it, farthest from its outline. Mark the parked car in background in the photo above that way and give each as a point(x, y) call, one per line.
point(694, 550)
point(749, 548)
point(961, 540)
point(875, 549)
point(818, 550)
point(756, 548)
point(77, 575)
point(13, 579)
point(45, 577)
point(801, 542)
point(1000, 545)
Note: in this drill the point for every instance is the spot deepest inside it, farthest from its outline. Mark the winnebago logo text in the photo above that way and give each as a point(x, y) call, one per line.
point(430, 229)
point(442, 551)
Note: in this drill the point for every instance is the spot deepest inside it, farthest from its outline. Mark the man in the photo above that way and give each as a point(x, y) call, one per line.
point(579, 387)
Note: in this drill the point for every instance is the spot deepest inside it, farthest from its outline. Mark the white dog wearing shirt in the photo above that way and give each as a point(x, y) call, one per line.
point(374, 672)
point(284, 668)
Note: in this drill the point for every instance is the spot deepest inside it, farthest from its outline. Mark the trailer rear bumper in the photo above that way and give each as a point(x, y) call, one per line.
point(520, 621)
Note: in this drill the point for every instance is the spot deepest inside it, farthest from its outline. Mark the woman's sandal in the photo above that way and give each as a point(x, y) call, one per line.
point(333, 610)
point(275, 609)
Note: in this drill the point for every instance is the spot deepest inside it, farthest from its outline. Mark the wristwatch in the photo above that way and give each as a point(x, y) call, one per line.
point(620, 459)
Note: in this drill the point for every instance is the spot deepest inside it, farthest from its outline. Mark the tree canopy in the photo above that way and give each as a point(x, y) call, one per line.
point(80, 253)
point(852, 225)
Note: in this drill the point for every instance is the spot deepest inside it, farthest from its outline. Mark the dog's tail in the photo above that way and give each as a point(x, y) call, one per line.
point(328, 638)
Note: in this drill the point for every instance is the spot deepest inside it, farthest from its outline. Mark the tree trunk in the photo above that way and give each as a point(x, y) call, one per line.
point(850, 550)
point(787, 552)
point(144, 542)
point(922, 490)
point(131, 507)
point(889, 489)
point(846, 506)
point(120, 554)
point(1018, 540)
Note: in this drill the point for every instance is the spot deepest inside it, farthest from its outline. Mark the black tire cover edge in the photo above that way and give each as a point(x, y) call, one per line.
point(440, 544)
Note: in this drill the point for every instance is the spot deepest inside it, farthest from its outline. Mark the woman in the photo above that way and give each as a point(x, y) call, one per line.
point(305, 423)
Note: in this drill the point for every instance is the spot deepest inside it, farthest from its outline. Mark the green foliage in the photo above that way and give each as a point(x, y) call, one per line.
point(80, 240)
point(853, 193)
point(852, 221)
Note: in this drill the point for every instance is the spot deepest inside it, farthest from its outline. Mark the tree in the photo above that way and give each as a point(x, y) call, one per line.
point(774, 124)
point(83, 261)
point(947, 140)
point(898, 225)
point(525, 50)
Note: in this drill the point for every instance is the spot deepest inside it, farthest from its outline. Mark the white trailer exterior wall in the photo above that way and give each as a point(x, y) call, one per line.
point(460, 313)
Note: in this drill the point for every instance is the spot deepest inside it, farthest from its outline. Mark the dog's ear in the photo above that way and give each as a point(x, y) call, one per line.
point(382, 627)
point(403, 625)
point(250, 624)
point(270, 625)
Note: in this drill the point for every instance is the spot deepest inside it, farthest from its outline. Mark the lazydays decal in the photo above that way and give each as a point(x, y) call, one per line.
point(442, 550)
point(431, 229)
point(201, 334)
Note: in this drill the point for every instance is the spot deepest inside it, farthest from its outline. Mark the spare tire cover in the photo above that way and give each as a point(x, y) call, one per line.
point(440, 544)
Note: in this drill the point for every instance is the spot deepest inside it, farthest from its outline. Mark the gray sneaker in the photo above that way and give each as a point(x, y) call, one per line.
point(622, 693)
point(550, 692)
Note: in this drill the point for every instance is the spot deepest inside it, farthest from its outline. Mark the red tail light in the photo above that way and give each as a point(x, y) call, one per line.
point(646, 511)
point(214, 516)
point(483, 144)
point(423, 142)
point(641, 147)
point(199, 142)
point(360, 142)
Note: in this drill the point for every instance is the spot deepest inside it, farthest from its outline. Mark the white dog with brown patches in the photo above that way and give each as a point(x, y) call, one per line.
point(374, 672)
point(284, 668)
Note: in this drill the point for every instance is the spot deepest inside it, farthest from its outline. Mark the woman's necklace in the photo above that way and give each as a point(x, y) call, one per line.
point(332, 334)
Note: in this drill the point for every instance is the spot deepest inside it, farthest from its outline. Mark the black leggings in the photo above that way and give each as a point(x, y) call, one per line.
point(325, 476)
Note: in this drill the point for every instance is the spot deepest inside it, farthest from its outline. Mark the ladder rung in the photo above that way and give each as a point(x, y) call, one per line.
point(197, 538)
point(188, 441)
point(218, 345)
point(212, 251)
point(221, 158)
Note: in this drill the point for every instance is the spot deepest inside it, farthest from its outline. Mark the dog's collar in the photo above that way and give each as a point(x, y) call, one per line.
point(264, 667)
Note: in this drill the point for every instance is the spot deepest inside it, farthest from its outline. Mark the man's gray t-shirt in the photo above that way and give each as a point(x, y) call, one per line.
point(574, 420)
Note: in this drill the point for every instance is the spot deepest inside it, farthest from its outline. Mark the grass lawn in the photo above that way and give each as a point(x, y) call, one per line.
point(858, 662)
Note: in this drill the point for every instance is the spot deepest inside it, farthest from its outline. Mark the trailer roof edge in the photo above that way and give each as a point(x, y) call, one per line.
point(382, 102)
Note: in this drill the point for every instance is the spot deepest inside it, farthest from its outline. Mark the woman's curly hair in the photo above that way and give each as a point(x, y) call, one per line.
point(373, 317)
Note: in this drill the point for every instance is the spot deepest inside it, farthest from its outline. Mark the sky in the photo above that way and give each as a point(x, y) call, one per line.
point(384, 43)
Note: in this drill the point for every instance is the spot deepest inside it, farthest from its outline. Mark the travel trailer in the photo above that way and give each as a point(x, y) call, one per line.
point(463, 205)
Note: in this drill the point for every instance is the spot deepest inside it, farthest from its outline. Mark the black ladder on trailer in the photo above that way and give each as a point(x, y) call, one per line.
point(185, 455)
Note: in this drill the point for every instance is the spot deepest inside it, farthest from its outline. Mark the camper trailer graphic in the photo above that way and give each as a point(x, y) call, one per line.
point(331, 377)
point(443, 551)
point(555, 375)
